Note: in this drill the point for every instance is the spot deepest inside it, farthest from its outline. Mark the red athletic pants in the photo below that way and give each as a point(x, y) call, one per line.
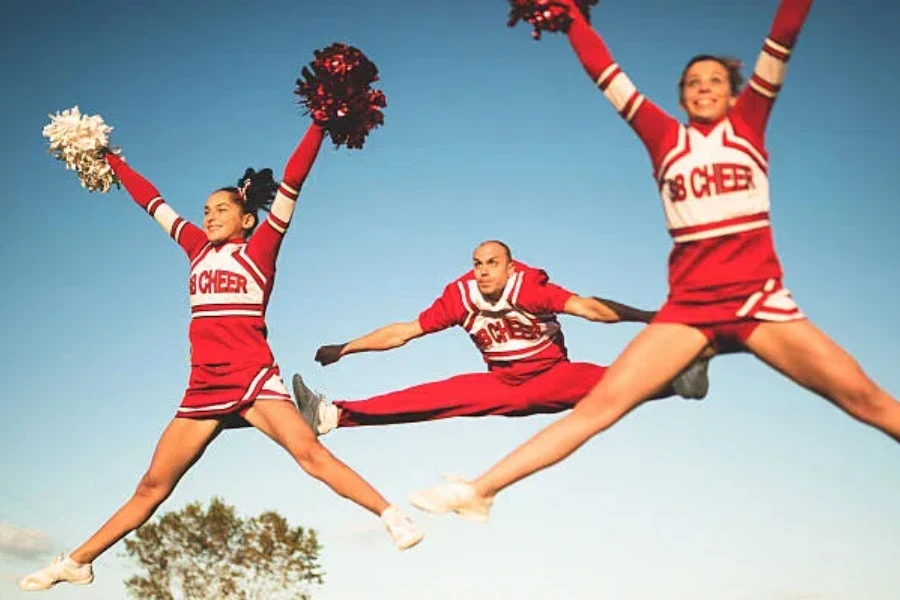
point(476, 395)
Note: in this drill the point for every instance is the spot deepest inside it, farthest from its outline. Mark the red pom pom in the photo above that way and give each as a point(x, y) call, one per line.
point(546, 15)
point(336, 90)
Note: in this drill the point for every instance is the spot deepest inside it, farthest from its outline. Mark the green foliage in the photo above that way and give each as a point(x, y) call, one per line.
point(197, 554)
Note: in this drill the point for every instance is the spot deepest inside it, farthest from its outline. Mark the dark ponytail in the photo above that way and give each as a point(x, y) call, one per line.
point(255, 191)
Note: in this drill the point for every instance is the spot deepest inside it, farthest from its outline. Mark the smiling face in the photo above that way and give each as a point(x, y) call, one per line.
point(493, 267)
point(224, 219)
point(706, 91)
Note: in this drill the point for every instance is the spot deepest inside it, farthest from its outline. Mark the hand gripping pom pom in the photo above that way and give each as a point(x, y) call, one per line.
point(336, 90)
point(546, 15)
point(81, 141)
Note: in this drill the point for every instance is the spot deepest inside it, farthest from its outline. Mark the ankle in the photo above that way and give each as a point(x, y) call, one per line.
point(329, 417)
point(390, 513)
point(72, 561)
point(483, 490)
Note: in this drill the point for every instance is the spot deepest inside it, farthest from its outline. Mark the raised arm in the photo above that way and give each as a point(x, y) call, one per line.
point(605, 311)
point(386, 338)
point(648, 120)
point(190, 237)
point(266, 241)
point(755, 102)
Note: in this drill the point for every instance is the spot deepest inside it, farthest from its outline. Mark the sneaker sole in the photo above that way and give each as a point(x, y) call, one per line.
point(409, 543)
point(475, 517)
point(698, 388)
point(87, 581)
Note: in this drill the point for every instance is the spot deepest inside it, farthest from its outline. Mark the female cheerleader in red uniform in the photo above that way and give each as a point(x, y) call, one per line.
point(234, 380)
point(724, 276)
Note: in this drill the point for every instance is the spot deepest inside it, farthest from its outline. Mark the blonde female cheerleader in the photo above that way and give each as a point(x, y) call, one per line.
point(234, 379)
point(725, 280)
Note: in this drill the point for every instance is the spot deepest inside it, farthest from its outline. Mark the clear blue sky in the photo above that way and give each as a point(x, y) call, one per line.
point(760, 491)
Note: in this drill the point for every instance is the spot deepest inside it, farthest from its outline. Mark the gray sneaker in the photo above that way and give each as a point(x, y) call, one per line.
point(308, 402)
point(693, 382)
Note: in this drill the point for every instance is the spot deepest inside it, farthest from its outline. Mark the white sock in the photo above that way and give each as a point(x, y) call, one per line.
point(328, 417)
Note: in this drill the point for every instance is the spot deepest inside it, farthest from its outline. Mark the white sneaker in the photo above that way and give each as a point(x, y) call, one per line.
point(457, 495)
point(404, 532)
point(62, 569)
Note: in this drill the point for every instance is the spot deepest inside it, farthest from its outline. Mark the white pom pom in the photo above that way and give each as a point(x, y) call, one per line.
point(80, 141)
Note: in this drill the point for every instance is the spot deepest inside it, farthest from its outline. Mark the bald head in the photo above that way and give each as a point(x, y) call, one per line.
point(493, 266)
point(495, 246)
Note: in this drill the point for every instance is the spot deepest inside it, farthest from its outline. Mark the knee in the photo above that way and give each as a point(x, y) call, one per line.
point(312, 456)
point(601, 409)
point(152, 489)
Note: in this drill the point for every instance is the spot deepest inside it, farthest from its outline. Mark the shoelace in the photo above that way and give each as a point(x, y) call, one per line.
point(395, 519)
point(317, 395)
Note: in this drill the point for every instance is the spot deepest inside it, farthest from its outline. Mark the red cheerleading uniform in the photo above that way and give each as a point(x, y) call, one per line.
point(229, 287)
point(519, 338)
point(724, 274)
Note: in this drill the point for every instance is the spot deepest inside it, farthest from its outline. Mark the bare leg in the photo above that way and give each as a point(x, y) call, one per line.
point(643, 370)
point(179, 447)
point(281, 421)
point(806, 355)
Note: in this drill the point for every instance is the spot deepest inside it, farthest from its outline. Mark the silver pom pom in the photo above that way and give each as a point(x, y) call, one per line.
point(81, 141)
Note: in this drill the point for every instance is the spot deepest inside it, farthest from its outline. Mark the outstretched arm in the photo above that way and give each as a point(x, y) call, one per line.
point(190, 237)
point(386, 338)
point(605, 311)
point(648, 120)
point(446, 311)
point(755, 102)
point(266, 241)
